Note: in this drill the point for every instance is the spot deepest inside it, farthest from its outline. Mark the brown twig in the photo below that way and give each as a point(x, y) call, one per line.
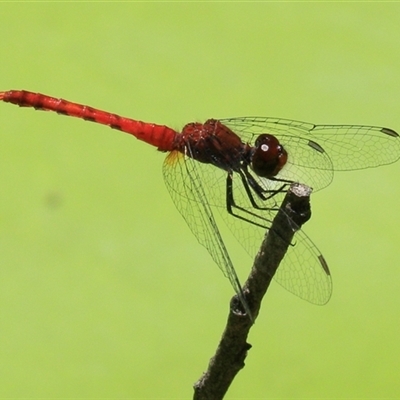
point(233, 347)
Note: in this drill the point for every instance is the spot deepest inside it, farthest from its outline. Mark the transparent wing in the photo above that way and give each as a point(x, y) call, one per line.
point(181, 174)
point(325, 148)
point(199, 190)
point(303, 271)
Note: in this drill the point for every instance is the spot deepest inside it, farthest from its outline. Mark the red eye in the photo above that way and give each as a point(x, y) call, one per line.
point(269, 156)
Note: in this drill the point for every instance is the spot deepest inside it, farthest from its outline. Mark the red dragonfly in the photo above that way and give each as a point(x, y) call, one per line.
point(237, 170)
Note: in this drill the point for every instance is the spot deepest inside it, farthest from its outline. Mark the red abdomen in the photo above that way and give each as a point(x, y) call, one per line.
point(161, 136)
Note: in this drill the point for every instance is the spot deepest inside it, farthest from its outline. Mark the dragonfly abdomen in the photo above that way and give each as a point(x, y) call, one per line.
point(159, 136)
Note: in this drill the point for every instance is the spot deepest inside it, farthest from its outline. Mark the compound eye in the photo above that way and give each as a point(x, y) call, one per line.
point(269, 156)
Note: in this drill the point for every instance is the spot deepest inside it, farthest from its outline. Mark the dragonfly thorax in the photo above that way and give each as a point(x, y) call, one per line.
point(213, 143)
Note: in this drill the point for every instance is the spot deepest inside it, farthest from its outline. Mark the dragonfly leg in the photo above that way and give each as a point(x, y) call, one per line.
point(231, 205)
point(253, 218)
point(259, 190)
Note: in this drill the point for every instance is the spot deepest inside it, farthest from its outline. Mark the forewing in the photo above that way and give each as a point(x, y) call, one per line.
point(304, 271)
point(322, 147)
point(356, 147)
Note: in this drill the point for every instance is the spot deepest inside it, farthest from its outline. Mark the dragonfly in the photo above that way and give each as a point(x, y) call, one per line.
point(237, 170)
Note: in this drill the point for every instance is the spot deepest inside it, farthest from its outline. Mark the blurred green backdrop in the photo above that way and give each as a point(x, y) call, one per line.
point(104, 292)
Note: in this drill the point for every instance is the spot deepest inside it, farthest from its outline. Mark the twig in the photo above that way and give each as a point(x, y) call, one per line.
point(232, 349)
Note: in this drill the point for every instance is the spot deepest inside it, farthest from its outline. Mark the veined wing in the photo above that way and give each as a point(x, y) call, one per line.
point(181, 174)
point(326, 148)
point(199, 189)
point(303, 271)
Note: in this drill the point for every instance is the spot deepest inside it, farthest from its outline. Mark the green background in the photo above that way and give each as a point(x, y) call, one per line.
point(104, 292)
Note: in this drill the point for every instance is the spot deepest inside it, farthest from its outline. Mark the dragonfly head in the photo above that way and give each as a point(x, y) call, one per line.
point(268, 156)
